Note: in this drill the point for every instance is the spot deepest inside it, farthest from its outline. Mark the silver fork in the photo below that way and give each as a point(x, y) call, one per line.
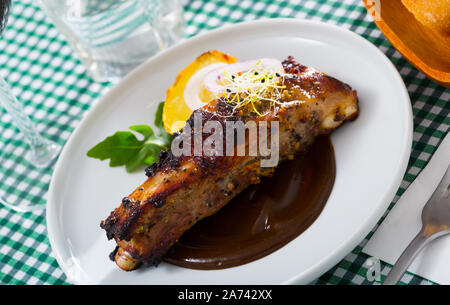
point(435, 223)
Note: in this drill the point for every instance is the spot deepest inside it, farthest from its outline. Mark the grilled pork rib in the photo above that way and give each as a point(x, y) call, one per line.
point(181, 191)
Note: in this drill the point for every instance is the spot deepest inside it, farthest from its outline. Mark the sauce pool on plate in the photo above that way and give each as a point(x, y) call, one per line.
point(264, 217)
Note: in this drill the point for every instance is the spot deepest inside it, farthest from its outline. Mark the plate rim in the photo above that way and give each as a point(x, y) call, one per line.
point(52, 206)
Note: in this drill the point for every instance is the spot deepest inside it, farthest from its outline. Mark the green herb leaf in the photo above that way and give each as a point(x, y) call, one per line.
point(150, 159)
point(148, 150)
point(119, 148)
point(123, 148)
point(158, 116)
point(144, 130)
point(163, 134)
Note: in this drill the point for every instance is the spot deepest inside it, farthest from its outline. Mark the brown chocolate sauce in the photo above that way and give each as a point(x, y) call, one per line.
point(264, 217)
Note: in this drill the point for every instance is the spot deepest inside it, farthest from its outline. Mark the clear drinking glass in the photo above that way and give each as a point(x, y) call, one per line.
point(41, 151)
point(111, 37)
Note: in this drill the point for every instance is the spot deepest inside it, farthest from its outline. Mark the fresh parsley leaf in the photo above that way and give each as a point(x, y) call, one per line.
point(124, 148)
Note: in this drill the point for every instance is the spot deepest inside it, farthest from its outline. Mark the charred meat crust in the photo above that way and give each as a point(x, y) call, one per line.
point(111, 224)
point(112, 255)
point(182, 190)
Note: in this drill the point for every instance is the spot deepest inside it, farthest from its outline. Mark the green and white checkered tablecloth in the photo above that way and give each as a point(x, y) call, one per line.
point(53, 85)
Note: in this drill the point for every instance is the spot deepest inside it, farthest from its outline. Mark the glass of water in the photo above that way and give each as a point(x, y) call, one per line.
point(111, 37)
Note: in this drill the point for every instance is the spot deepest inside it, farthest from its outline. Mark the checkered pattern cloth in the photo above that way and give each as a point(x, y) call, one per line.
point(56, 92)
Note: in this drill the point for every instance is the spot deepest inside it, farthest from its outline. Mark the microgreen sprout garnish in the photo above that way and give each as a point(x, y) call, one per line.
point(257, 85)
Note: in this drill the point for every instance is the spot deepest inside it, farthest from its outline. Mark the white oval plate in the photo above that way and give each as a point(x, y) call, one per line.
point(371, 157)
